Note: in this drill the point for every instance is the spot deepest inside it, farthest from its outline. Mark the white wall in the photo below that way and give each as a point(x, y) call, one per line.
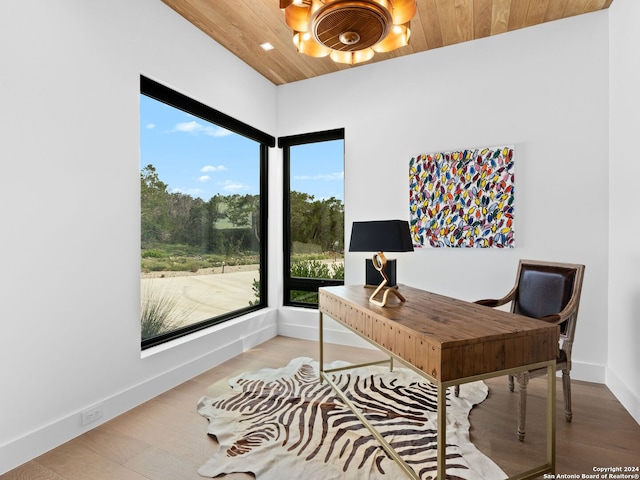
point(69, 209)
point(543, 89)
point(624, 260)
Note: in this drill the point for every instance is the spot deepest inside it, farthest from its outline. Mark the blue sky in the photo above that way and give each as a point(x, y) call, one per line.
point(318, 169)
point(200, 159)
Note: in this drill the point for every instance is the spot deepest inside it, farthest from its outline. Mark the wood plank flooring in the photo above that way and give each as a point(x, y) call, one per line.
point(165, 438)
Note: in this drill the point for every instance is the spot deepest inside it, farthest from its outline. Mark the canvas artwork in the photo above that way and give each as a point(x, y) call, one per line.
point(462, 198)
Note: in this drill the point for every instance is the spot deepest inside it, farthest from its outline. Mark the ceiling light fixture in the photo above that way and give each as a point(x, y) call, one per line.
point(349, 31)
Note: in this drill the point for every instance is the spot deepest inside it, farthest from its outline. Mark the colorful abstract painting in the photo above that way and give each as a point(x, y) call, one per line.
point(462, 198)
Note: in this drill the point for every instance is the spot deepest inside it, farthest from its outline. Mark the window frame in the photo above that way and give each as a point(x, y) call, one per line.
point(164, 94)
point(298, 283)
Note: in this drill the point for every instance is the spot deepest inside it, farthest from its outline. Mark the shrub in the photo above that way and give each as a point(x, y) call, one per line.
point(158, 313)
point(338, 270)
point(156, 266)
point(152, 253)
point(310, 269)
point(317, 269)
point(256, 292)
point(304, 297)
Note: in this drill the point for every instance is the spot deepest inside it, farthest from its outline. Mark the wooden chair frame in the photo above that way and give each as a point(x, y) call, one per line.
point(569, 314)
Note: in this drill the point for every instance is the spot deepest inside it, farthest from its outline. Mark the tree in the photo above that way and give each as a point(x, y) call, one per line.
point(320, 222)
point(178, 218)
point(239, 209)
point(300, 216)
point(212, 213)
point(244, 211)
point(153, 200)
point(330, 229)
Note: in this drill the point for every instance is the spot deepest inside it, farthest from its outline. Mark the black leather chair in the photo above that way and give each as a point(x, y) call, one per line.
point(548, 291)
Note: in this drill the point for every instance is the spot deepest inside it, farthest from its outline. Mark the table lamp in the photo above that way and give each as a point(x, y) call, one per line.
point(378, 236)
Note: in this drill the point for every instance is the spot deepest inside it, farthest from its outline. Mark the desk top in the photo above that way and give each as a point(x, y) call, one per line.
point(445, 337)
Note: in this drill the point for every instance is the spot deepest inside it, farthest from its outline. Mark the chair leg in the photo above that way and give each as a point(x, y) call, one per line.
point(523, 381)
point(511, 383)
point(566, 388)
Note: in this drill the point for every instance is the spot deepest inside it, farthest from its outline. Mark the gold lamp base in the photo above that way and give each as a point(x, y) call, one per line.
point(380, 262)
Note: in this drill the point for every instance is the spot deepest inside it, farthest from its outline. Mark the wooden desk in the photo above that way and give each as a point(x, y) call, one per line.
point(449, 342)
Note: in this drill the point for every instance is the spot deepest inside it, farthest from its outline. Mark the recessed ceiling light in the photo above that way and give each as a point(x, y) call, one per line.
point(266, 46)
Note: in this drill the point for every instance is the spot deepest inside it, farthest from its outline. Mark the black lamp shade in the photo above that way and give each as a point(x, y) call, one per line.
point(381, 236)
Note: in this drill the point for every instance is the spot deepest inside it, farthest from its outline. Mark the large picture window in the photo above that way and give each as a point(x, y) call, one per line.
point(203, 215)
point(313, 214)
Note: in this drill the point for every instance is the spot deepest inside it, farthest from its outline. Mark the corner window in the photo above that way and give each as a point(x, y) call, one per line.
point(203, 217)
point(313, 214)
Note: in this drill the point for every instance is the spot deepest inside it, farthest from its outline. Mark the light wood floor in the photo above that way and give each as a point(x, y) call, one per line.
point(165, 438)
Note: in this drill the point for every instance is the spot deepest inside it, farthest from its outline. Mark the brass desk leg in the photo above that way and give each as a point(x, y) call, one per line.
point(442, 431)
point(383, 443)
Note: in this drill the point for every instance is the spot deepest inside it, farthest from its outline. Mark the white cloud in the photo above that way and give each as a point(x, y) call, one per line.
point(204, 178)
point(197, 128)
point(187, 126)
point(231, 186)
point(151, 125)
point(211, 168)
point(323, 176)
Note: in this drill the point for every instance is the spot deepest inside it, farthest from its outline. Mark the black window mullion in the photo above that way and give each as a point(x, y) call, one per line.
point(164, 94)
point(297, 283)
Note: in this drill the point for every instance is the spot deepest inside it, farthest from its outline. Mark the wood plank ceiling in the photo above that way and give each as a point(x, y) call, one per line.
point(242, 25)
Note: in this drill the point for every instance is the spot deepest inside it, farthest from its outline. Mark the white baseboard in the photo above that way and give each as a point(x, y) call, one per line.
point(303, 323)
point(587, 372)
point(629, 400)
point(247, 333)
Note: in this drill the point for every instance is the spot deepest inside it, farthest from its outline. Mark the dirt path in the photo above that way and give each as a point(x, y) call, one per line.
point(202, 271)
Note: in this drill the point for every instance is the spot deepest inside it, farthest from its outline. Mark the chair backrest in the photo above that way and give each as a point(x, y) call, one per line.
point(546, 288)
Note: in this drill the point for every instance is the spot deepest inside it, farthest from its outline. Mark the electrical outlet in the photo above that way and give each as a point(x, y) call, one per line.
point(92, 414)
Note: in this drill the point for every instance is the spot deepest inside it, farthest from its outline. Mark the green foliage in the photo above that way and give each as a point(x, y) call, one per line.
point(338, 270)
point(223, 224)
point(152, 254)
point(317, 269)
point(226, 228)
point(153, 194)
point(256, 292)
point(310, 269)
point(158, 313)
point(304, 297)
point(319, 222)
point(180, 258)
point(156, 266)
point(314, 269)
point(307, 269)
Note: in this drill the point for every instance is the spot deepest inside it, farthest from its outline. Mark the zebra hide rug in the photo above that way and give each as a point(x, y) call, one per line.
point(282, 424)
